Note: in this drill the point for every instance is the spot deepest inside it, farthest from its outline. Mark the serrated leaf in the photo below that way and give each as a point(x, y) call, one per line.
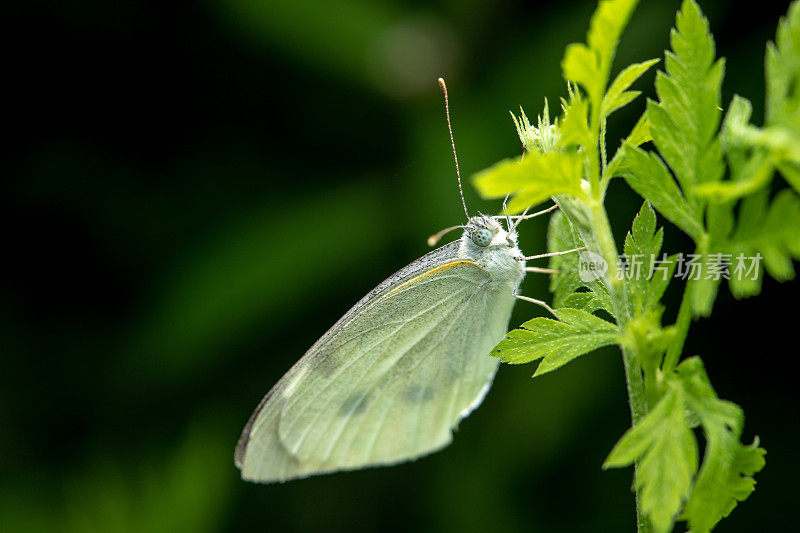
point(782, 63)
point(606, 25)
point(736, 119)
point(531, 179)
point(749, 171)
point(755, 152)
point(586, 301)
point(642, 245)
point(684, 121)
point(668, 451)
point(766, 231)
point(648, 274)
point(561, 235)
point(660, 277)
point(665, 447)
point(791, 173)
point(754, 174)
point(580, 65)
point(556, 341)
point(781, 140)
point(725, 477)
point(639, 135)
point(574, 128)
point(618, 95)
point(647, 175)
point(643, 239)
point(589, 64)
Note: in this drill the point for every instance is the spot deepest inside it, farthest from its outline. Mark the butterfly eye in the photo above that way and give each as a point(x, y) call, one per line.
point(481, 236)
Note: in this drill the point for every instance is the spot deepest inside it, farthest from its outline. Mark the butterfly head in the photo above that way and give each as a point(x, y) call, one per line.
point(484, 232)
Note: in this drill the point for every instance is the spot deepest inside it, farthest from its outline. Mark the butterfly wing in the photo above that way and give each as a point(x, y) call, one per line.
point(388, 384)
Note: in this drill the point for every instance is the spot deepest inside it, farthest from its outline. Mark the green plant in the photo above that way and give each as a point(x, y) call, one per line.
point(710, 177)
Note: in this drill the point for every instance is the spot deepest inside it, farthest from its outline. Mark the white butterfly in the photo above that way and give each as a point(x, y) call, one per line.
point(394, 376)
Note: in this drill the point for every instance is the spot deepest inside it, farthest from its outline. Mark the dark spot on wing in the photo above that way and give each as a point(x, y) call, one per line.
point(354, 404)
point(419, 394)
point(328, 364)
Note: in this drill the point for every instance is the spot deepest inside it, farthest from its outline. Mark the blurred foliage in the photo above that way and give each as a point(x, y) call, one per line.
point(195, 192)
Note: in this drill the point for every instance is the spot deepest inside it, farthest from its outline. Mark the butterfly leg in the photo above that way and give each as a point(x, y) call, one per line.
point(542, 270)
point(537, 302)
point(553, 254)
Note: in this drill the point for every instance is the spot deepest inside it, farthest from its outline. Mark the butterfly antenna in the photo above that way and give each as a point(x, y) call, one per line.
point(435, 238)
point(443, 87)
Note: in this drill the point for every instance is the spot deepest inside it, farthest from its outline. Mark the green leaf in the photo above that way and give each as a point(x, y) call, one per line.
point(646, 273)
point(644, 336)
point(685, 120)
point(561, 235)
point(750, 170)
point(586, 301)
point(606, 25)
point(647, 175)
point(782, 141)
point(765, 231)
point(755, 152)
point(660, 276)
point(618, 94)
point(683, 124)
point(541, 138)
point(705, 280)
point(725, 477)
point(791, 172)
point(782, 63)
point(580, 65)
point(532, 178)
point(736, 119)
point(639, 135)
point(589, 64)
point(642, 245)
point(668, 451)
point(574, 129)
point(556, 341)
point(756, 174)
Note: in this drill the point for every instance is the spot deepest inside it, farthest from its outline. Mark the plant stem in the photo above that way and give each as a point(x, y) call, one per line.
point(595, 230)
point(638, 406)
point(590, 219)
point(601, 229)
point(603, 156)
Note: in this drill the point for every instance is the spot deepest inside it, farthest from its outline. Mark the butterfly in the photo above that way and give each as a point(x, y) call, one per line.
point(390, 381)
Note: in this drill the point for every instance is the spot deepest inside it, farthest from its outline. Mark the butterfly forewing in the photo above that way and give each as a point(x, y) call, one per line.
point(389, 386)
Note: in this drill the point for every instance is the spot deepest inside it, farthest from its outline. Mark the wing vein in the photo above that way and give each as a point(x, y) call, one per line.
point(309, 425)
point(371, 387)
point(383, 421)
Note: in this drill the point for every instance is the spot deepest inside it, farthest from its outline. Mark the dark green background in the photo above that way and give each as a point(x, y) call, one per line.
point(194, 192)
